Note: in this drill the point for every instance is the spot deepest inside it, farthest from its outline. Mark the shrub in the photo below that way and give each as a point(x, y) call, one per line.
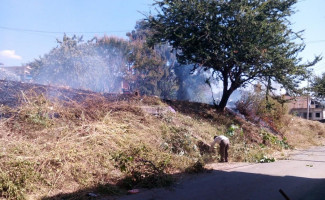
point(142, 168)
point(268, 112)
point(232, 129)
point(266, 159)
point(179, 141)
point(197, 167)
point(16, 179)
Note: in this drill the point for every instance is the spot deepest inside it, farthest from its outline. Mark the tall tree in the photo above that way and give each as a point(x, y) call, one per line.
point(318, 86)
point(240, 41)
point(158, 69)
point(152, 68)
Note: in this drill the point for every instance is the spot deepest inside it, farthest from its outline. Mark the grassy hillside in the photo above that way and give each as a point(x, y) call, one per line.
point(72, 145)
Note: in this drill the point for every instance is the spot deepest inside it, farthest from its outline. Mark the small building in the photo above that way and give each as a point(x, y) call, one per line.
point(299, 106)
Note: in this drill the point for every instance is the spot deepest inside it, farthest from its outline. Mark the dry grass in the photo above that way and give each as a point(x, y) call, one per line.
point(67, 148)
point(303, 133)
point(53, 147)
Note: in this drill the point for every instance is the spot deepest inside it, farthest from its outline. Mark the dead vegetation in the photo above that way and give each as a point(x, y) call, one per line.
point(303, 133)
point(106, 143)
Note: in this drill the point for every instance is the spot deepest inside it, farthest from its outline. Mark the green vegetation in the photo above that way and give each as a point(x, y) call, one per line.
point(142, 168)
point(17, 177)
point(265, 159)
point(318, 86)
point(260, 106)
point(240, 41)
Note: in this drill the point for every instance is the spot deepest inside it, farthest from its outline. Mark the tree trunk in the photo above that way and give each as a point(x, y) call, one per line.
point(225, 97)
point(226, 93)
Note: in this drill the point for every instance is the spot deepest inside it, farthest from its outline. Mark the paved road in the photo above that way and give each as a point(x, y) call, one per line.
point(302, 176)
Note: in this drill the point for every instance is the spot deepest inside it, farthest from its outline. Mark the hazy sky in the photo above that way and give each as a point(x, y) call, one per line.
point(29, 28)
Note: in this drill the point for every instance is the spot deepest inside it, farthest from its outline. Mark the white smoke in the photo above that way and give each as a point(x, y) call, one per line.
point(7, 75)
point(87, 66)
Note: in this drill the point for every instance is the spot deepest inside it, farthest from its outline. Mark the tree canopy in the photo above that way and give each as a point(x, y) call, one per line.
point(318, 86)
point(152, 67)
point(240, 41)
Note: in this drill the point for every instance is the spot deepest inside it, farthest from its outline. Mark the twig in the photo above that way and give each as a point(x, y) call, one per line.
point(56, 180)
point(151, 163)
point(24, 97)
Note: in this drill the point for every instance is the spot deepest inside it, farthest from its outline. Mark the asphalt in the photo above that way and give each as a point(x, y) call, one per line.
point(301, 176)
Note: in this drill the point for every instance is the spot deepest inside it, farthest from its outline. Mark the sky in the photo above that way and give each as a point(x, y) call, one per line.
point(29, 28)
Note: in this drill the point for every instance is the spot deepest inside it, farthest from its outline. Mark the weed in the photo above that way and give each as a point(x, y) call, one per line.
point(139, 170)
point(266, 159)
point(270, 139)
point(16, 179)
point(257, 108)
point(37, 112)
point(180, 142)
point(232, 129)
point(284, 143)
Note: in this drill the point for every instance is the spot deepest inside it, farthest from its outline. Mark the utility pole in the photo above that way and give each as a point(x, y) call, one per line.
point(307, 98)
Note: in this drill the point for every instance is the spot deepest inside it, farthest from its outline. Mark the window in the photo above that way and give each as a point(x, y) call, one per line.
point(305, 115)
point(310, 115)
point(317, 115)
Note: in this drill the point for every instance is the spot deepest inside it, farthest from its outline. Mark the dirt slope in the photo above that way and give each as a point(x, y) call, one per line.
point(63, 143)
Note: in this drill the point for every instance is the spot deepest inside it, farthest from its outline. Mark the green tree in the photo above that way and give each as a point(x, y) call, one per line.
point(114, 52)
point(157, 71)
point(318, 86)
point(240, 41)
point(152, 68)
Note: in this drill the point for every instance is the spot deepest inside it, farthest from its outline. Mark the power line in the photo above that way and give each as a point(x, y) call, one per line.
point(315, 41)
point(90, 32)
point(58, 32)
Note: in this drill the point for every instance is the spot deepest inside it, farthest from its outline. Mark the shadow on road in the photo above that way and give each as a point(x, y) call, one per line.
point(219, 185)
point(88, 193)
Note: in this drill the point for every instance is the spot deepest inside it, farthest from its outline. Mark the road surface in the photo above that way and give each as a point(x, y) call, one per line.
point(302, 176)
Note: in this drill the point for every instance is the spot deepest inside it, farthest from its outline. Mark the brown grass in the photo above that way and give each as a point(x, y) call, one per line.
point(55, 147)
point(303, 133)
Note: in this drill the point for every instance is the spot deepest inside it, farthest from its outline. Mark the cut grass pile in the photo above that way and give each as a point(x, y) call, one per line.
point(53, 147)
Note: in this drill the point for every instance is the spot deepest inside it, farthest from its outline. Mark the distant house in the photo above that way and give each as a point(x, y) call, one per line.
point(299, 106)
